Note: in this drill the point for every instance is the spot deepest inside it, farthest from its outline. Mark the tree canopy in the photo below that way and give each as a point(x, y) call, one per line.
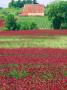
point(20, 3)
point(11, 22)
point(57, 12)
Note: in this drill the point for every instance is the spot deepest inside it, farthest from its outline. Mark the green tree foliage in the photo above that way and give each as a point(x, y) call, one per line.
point(34, 1)
point(12, 3)
point(28, 26)
point(28, 2)
point(33, 26)
point(11, 22)
point(20, 3)
point(56, 23)
point(57, 12)
point(16, 4)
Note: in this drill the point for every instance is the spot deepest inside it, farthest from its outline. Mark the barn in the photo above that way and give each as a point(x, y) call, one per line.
point(33, 10)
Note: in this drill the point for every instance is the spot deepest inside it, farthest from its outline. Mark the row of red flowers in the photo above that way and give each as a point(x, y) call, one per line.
point(33, 55)
point(34, 32)
point(47, 51)
point(20, 59)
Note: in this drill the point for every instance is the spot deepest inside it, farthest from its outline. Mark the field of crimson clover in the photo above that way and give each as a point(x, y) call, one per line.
point(33, 68)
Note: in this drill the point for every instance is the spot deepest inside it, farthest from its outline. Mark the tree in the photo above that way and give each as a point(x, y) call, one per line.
point(16, 4)
point(20, 3)
point(27, 1)
point(12, 3)
point(11, 22)
point(34, 1)
point(57, 12)
point(56, 23)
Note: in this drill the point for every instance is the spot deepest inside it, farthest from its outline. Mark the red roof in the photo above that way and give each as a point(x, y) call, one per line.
point(32, 8)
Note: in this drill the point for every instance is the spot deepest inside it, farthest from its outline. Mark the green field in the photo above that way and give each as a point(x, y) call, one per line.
point(42, 22)
point(32, 41)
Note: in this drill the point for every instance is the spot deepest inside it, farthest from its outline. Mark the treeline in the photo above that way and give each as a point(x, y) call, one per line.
point(20, 3)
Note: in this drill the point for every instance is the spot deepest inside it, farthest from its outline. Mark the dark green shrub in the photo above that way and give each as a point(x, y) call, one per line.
point(28, 26)
point(64, 26)
point(11, 22)
point(56, 23)
point(25, 26)
point(33, 26)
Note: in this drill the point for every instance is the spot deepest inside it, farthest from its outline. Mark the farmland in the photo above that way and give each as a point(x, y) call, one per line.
point(33, 60)
point(22, 41)
point(43, 39)
point(40, 21)
point(33, 52)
